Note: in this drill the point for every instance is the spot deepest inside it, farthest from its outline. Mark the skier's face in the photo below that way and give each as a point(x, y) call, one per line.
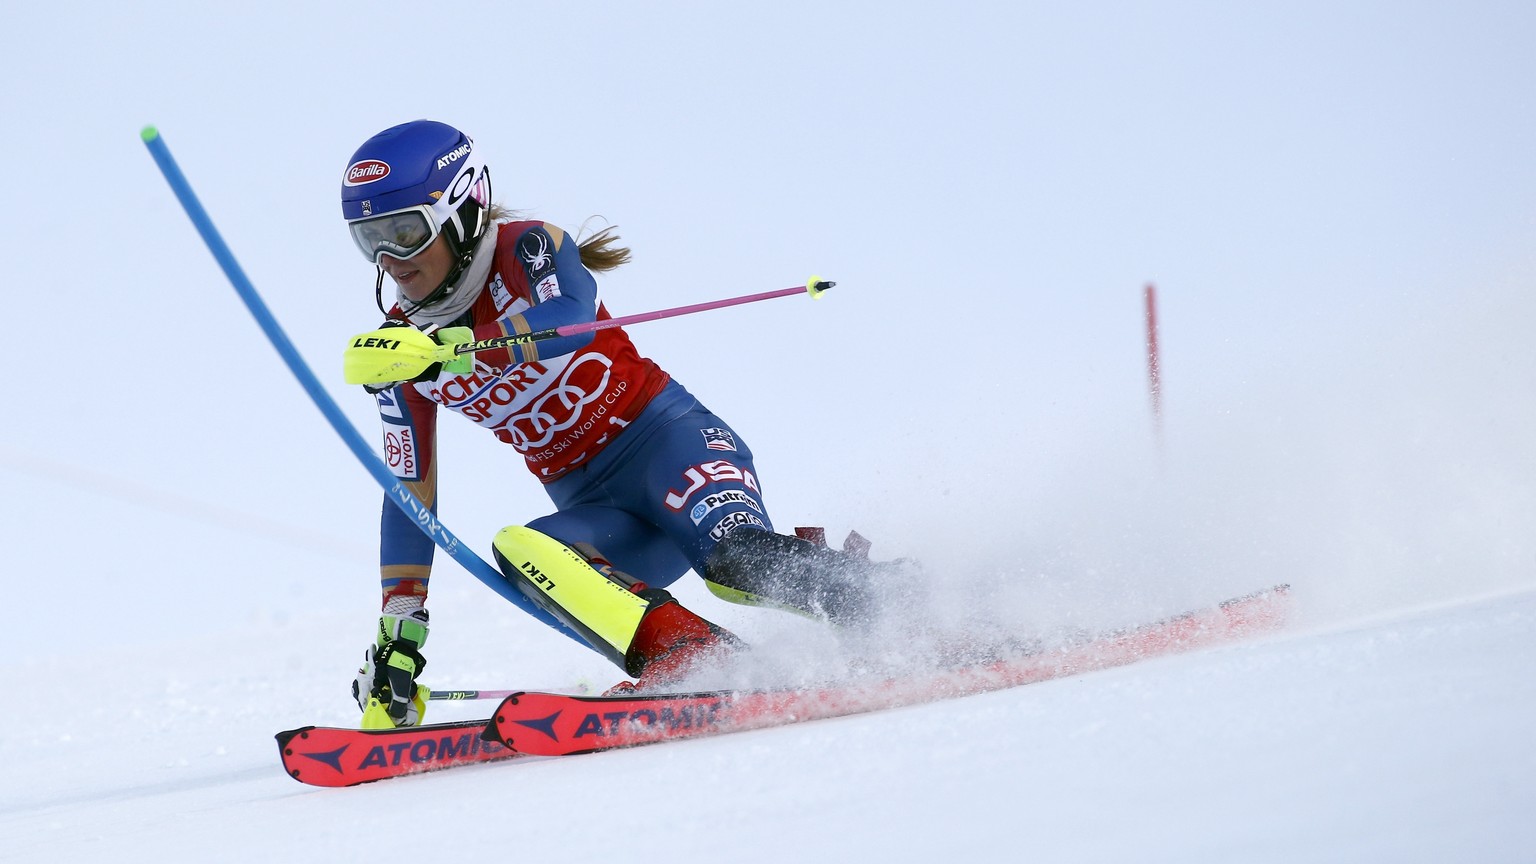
point(423, 272)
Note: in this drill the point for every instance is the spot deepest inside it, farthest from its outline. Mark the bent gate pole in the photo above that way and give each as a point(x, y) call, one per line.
point(394, 488)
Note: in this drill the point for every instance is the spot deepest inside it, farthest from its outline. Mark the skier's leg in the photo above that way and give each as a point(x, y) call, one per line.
point(702, 476)
point(629, 543)
point(764, 568)
point(642, 629)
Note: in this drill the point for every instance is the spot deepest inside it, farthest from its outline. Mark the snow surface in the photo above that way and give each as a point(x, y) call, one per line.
point(1403, 738)
point(1334, 199)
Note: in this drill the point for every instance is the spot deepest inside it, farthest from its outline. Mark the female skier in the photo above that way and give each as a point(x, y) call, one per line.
point(647, 483)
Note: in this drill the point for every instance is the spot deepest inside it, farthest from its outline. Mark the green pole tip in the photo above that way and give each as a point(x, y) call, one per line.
point(149, 133)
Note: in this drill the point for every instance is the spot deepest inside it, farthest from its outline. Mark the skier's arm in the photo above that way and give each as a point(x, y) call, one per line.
point(410, 445)
point(385, 687)
point(562, 292)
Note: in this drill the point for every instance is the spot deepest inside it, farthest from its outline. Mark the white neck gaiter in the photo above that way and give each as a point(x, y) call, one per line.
point(471, 283)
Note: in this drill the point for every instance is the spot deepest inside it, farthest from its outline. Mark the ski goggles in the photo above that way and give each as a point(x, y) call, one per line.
point(401, 233)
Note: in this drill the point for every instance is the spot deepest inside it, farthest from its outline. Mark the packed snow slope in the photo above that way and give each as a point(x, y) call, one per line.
point(1401, 738)
point(1334, 198)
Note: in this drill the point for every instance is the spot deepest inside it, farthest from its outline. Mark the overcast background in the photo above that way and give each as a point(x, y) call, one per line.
point(1335, 201)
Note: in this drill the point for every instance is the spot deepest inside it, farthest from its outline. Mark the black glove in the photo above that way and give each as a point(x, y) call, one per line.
point(385, 687)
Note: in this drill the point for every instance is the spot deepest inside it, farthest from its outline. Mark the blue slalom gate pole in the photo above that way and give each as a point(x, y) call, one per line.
point(394, 488)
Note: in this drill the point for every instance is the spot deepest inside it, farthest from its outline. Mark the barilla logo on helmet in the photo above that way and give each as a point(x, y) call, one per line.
point(366, 171)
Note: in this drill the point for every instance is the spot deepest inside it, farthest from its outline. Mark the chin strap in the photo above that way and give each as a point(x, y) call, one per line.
point(438, 293)
point(378, 293)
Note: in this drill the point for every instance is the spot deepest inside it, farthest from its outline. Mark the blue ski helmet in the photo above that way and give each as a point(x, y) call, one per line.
point(411, 182)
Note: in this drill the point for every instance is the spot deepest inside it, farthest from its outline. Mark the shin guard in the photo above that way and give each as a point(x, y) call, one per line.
point(564, 584)
point(636, 627)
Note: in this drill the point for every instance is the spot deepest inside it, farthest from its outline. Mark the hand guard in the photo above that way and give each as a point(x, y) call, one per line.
point(398, 352)
point(385, 687)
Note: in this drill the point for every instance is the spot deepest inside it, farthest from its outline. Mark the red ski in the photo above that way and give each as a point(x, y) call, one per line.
point(548, 724)
point(322, 756)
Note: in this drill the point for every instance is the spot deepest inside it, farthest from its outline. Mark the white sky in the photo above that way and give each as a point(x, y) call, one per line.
point(1335, 199)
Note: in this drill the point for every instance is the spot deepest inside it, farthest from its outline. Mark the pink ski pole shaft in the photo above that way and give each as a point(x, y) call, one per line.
point(472, 695)
point(466, 695)
point(814, 287)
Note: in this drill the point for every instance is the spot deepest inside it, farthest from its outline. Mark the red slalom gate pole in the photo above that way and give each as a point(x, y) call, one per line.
point(1154, 364)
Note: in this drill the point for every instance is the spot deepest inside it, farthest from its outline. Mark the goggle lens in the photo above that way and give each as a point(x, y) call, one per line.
point(401, 234)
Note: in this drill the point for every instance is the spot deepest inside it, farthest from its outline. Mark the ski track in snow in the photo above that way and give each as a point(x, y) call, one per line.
point(1404, 737)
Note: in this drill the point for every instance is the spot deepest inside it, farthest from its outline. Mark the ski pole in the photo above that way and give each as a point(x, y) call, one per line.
point(472, 695)
point(394, 489)
point(467, 695)
point(815, 287)
point(381, 356)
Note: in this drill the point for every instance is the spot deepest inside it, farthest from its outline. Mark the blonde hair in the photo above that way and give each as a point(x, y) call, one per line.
point(600, 252)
